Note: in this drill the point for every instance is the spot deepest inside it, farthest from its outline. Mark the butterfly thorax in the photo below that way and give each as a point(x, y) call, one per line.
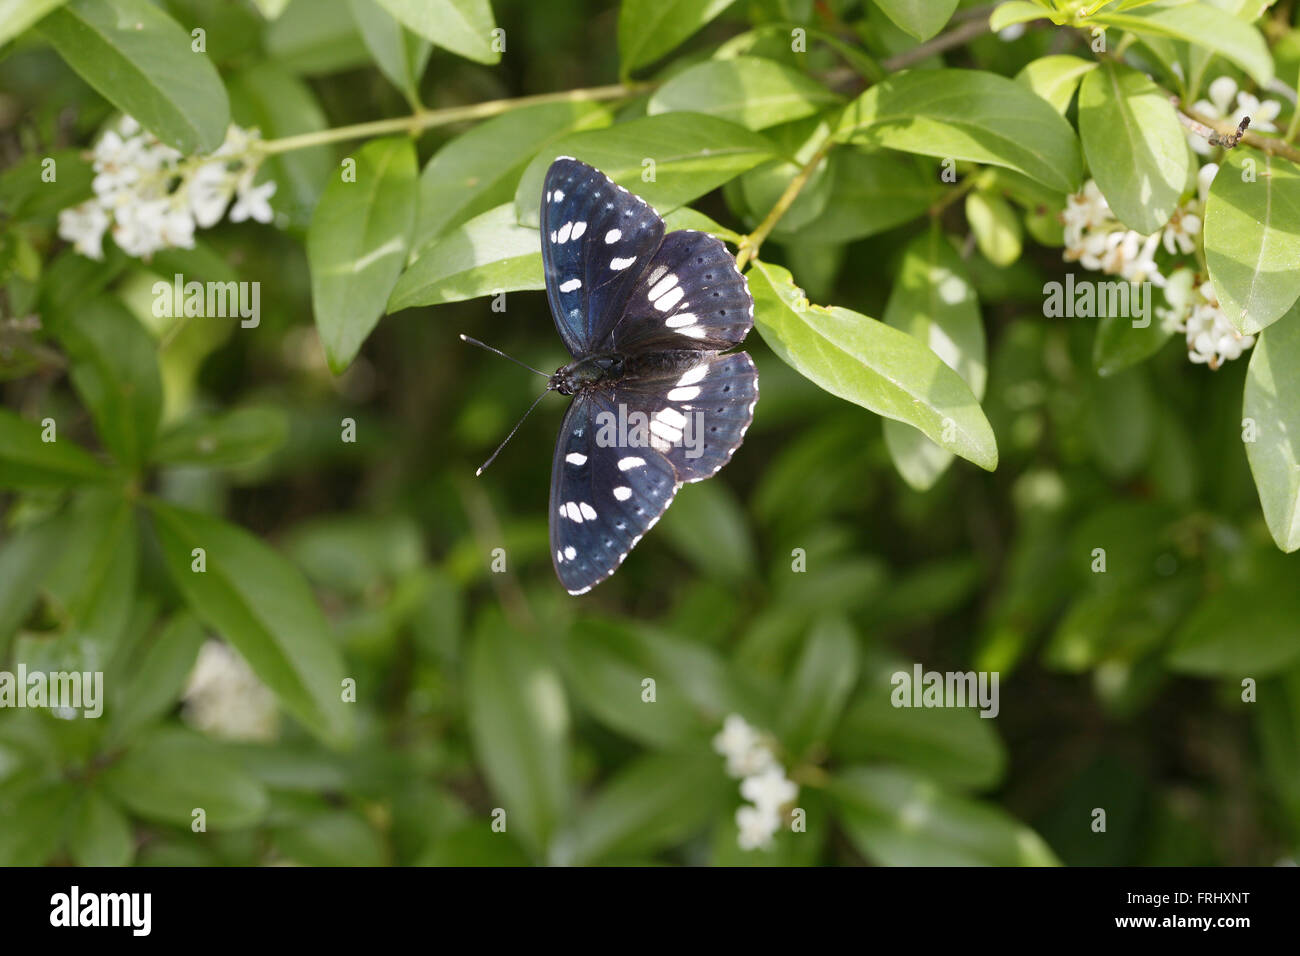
point(588, 371)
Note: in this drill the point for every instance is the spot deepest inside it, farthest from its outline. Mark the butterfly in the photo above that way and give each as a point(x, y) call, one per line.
point(647, 317)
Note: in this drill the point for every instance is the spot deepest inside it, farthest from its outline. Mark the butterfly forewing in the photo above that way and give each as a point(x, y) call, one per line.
point(597, 240)
point(690, 297)
point(604, 497)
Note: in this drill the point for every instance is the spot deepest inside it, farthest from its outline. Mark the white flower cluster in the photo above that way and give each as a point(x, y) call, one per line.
point(225, 698)
point(1211, 338)
point(1095, 239)
point(153, 198)
point(1222, 92)
point(763, 782)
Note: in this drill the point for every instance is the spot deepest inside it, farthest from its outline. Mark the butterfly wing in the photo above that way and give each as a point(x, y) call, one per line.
point(604, 496)
point(691, 297)
point(697, 406)
point(597, 240)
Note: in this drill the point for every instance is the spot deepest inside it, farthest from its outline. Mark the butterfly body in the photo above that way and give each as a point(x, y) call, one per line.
point(658, 401)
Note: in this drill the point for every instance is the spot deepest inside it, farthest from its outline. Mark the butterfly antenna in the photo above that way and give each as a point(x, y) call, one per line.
point(483, 345)
point(493, 457)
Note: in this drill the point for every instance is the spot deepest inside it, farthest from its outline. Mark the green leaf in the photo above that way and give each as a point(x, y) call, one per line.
point(464, 27)
point(357, 245)
point(1247, 630)
point(952, 745)
point(752, 91)
point(1271, 406)
point(921, 19)
point(28, 462)
point(271, 8)
point(115, 370)
point(708, 526)
point(1200, 24)
point(17, 15)
point(262, 605)
point(25, 557)
point(1252, 238)
point(1120, 344)
point(479, 169)
point(93, 584)
point(1016, 11)
point(868, 363)
point(647, 29)
point(100, 835)
point(606, 661)
point(159, 667)
point(316, 37)
point(967, 115)
point(169, 773)
point(1056, 77)
point(140, 60)
point(692, 154)
point(25, 195)
point(897, 819)
point(1135, 145)
point(332, 838)
point(519, 722)
point(934, 302)
point(997, 229)
point(278, 103)
point(42, 810)
point(489, 254)
point(870, 192)
point(656, 801)
point(224, 439)
point(400, 55)
point(823, 678)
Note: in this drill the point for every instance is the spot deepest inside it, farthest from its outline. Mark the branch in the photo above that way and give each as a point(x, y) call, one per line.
point(427, 119)
point(1221, 133)
point(750, 244)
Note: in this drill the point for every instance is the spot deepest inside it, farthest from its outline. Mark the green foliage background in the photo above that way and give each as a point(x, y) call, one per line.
point(477, 690)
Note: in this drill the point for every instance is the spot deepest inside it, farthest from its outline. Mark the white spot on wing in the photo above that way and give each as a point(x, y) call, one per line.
point(563, 236)
point(670, 298)
point(558, 195)
point(571, 285)
point(618, 265)
point(691, 376)
point(613, 236)
point(622, 493)
point(625, 464)
point(578, 229)
point(570, 552)
point(571, 511)
point(683, 393)
point(661, 287)
point(680, 319)
point(588, 511)
point(672, 418)
point(576, 458)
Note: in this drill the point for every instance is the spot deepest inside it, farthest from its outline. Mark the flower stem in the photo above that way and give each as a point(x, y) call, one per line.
point(427, 119)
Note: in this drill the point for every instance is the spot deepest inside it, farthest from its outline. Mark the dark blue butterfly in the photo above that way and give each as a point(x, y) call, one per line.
point(645, 316)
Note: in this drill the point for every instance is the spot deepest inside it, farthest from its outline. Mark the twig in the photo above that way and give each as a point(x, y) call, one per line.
point(750, 244)
point(958, 36)
point(427, 119)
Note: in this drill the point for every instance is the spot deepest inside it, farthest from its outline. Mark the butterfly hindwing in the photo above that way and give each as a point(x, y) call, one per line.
point(604, 497)
point(691, 296)
point(698, 408)
point(597, 240)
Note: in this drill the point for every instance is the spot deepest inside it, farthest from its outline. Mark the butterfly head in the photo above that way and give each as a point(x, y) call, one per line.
point(586, 371)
